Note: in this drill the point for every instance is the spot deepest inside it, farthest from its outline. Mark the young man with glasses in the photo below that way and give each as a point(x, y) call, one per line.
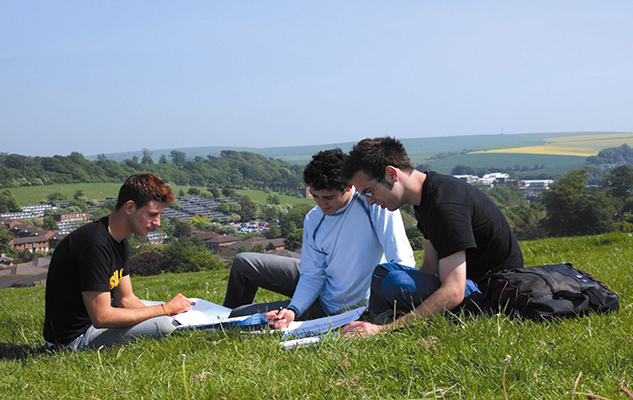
point(466, 234)
point(344, 239)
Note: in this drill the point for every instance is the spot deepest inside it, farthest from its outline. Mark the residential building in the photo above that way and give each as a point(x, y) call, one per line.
point(216, 243)
point(5, 262)
point(31, 243)
point(269, 244)
point(32, 273)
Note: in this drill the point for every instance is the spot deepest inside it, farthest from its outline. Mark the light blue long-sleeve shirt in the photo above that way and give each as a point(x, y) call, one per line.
point(340, 252)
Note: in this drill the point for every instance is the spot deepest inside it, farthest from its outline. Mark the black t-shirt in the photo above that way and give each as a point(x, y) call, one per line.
point(456, 216)
point(88, 259)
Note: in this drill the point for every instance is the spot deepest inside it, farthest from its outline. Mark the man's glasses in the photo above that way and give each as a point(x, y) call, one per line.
point(368, 193)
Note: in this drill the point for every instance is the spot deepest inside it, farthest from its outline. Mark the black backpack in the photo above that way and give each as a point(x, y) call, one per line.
point(546, 291)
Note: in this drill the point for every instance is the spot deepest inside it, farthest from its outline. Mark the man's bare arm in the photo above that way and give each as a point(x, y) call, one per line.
point(430, 264)
point(452, 271)
point(124, 295)
point(129, 309)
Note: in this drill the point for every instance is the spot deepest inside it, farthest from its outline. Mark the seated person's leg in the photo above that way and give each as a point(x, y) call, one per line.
point(157, 327)
point(250, 271)
point(407, 288)
point(378, 302)
point(313, 312)
point(250, 309)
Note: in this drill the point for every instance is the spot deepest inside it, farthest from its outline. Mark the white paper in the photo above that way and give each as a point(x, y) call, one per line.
point(203, 313)
point(291, 344)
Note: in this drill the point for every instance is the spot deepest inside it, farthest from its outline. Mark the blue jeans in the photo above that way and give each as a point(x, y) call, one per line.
point(405, 287)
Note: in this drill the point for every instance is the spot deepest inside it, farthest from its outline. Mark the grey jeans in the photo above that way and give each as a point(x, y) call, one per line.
point(251, 271)
point(94, 338)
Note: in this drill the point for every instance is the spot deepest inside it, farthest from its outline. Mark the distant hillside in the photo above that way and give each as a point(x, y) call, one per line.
point(420, 149)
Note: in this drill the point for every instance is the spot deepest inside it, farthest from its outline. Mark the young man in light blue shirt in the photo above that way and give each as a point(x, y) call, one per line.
point(343, 240)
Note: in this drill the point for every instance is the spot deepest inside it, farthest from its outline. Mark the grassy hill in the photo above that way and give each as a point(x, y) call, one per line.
point(557, 152)
point(93, 191)
point(100, 191)
point(550, 163)
point(438, 358)
point(418, 148)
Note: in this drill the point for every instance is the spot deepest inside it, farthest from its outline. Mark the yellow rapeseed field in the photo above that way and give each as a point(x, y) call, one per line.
point(584, 146)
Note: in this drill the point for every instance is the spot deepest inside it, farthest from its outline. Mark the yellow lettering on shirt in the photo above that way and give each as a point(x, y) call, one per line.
point(116, 278)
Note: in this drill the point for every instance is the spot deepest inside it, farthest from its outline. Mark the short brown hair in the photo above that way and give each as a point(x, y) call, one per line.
point(372, 156)
point(143, 188)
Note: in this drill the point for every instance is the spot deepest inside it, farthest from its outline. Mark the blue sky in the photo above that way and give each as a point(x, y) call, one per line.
point(110, 76)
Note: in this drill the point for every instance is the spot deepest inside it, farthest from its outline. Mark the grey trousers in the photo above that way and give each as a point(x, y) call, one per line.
point(94, 338)
point(251, 271)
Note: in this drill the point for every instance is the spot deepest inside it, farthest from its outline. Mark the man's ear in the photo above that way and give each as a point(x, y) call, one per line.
point(129, 207)
point(391, 172)
point(348, 187)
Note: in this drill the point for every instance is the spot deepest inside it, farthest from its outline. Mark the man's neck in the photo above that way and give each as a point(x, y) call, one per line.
point(347, 196)
point(413, 188)
point(117, 225)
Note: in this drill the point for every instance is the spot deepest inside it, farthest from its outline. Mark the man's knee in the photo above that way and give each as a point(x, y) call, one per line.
point(164, 325)
point(242, 266)
point(394, 285)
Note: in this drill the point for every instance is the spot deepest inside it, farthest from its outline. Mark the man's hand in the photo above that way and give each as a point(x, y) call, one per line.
point(362, 328)
point(280, 319)
point(178, 304)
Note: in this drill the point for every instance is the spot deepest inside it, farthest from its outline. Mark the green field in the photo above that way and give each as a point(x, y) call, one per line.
point(554, 164)
point(419, 148)
point(93, 191)
point(260, 197)
point(99, 191)
point(485, 357)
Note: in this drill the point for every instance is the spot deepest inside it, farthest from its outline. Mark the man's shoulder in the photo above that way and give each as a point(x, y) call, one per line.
point(314, 214)
point(90, 228)
point(92, 233)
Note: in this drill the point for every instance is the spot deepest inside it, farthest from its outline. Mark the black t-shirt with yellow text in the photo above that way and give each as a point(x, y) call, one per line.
point(88, 259)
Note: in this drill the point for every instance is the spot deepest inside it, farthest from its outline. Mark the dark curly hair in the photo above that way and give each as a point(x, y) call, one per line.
point(372, 156)
point(325, 170)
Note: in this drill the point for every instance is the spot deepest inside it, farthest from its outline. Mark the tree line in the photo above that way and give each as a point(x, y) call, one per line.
point(231, 169)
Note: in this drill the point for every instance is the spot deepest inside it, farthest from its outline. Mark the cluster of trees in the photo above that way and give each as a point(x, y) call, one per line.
point(613, 155)
point(231, 168)
point(188, 254)
point(572, 207)
point(8, 203)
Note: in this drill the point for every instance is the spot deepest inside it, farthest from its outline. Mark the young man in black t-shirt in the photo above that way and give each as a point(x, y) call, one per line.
point(89, 296)
point(466, 233)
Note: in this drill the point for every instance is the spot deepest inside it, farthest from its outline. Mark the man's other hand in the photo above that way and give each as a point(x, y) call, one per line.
point(361, 328)
point(178, 304)
point(280, 319)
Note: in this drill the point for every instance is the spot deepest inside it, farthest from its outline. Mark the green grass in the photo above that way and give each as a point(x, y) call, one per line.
point(99, 191)
point(93, 191)
point(431, 359)
point(554, 164)
point(261, 196)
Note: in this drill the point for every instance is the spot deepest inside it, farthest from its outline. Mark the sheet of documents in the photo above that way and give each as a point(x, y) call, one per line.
point(203, 313)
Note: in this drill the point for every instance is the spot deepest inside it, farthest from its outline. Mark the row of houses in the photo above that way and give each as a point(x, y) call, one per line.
point(532, 188)
point(32, 273)
point(216, 242)
point(30, 238)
